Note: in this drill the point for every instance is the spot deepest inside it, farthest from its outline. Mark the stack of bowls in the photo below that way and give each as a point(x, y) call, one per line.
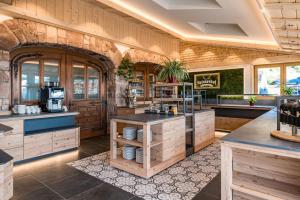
point(139, 155)
point(129, 152)
point(129, 133)
point(140, 135)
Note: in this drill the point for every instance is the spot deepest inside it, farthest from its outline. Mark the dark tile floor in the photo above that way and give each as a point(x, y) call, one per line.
point(52, 179)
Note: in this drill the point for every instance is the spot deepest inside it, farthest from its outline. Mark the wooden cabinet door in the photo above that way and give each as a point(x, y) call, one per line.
point(87, 95)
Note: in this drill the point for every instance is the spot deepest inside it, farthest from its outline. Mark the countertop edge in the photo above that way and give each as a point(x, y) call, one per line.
point(43, 115)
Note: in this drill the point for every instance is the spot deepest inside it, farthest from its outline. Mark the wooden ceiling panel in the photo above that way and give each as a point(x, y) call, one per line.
point(284, 18)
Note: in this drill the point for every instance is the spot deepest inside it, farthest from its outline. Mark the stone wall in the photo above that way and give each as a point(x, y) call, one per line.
point(4, 80)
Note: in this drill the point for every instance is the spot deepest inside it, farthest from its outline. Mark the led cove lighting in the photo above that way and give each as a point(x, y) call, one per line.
point(4, 17)
point(146, 16)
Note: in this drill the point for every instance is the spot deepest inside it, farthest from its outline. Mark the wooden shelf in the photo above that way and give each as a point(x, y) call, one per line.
point(171, 84)
point(137, 143)
point(133, 163)
point(171, 99)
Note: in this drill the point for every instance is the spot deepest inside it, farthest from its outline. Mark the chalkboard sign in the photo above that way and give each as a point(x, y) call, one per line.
point(207, 81)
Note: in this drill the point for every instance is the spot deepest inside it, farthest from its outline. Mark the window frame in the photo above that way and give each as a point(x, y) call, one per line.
point(282, 66)
point(86, 66)
point(41, 74)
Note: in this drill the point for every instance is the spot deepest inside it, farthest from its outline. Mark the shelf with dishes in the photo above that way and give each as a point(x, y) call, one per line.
point(144, 157)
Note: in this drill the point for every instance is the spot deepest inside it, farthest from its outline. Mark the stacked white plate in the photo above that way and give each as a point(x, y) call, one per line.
point(140, 135)
point(129, 133)
point(129, 152)
point(139, 158)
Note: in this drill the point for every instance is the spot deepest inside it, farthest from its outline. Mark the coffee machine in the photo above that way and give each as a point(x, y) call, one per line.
point(52, 98)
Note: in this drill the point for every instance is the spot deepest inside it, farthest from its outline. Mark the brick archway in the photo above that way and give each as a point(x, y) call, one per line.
point(17, 32)
point(21, 33)
point(137, 55)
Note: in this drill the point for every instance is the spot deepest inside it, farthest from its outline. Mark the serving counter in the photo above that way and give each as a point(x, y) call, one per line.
point(32, 136)
point(169, 133)
point(256, 165)
point(166, 148)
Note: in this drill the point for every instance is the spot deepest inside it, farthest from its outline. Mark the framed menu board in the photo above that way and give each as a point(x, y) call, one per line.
point(207, 81)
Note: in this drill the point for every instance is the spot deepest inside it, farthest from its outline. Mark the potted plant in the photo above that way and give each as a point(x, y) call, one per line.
point(288, 91)
point(173, 71)
point(125, 69)
point(252, 100)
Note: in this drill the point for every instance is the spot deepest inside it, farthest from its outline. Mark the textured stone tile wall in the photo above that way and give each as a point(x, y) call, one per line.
point(4, 81)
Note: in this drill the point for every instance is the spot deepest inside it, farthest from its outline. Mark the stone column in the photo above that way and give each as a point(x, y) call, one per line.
point(4, 81)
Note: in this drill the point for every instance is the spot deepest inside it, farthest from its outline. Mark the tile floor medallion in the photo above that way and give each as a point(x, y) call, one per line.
point(181, 181)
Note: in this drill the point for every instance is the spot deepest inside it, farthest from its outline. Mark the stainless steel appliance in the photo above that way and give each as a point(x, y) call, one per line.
point(52, 98)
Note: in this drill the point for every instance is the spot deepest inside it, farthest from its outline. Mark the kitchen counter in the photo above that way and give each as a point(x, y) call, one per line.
point(4, 128)
point(255, 165)
point(35, 116)
point(166, 148)
point(145, 118)
point(257, 132)
point(4, 157)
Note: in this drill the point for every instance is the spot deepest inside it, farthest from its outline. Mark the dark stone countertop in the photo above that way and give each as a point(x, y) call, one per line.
point(144, 118)
point(245, 107)
point(4, 157)
point(4, 128)
point(35, 116)
point(257, 132)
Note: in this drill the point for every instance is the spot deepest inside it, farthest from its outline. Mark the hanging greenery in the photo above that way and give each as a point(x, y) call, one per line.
point(125, 69)
point(173, 71)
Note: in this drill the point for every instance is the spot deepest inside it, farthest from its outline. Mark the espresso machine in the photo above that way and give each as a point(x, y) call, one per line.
point(52, 98)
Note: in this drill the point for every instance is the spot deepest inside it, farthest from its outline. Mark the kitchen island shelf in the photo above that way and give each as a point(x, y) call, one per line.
point(137, 143)
point(166, 149)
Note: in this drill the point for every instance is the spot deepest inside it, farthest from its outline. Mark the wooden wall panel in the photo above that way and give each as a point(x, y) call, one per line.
point(205, 56)
point(89, 17)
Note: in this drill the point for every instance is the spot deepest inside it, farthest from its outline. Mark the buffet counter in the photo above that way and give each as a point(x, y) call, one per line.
point(161, 149)
point(230, 117)
point(164, 140)
point(256, 165)
point(31, 136)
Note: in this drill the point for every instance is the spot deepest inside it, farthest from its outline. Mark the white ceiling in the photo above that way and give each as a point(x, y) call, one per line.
point(217, 20)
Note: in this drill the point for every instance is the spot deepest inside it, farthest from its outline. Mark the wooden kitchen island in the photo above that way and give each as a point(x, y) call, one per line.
point(166, 148)
point(256, 165)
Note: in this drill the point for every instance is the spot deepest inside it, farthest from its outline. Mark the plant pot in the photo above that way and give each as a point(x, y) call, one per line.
point(172, 80)
point(251, 103)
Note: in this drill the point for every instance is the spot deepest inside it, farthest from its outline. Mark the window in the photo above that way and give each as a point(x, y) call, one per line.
point(85, 82)
point(268, 80)
point(31, 82)
point(93, 83)
point(293, 77)
point(272, 79)
point(51, 71)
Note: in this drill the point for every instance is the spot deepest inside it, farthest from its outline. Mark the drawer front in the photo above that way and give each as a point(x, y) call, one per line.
point(65, 139)
point(37, 145)
point(17, 125)
point(9, 141)
point(16, 153)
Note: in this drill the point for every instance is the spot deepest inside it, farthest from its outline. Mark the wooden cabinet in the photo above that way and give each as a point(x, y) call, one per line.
point(38, 145)
point(6, 180)
point(50, 142)
point(65, 139)
point(12, 142)
point(204, 129)
point(144, 77)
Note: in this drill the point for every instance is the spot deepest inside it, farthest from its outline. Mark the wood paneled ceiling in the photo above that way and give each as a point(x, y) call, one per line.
point(284, 18)
point(238, 23)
